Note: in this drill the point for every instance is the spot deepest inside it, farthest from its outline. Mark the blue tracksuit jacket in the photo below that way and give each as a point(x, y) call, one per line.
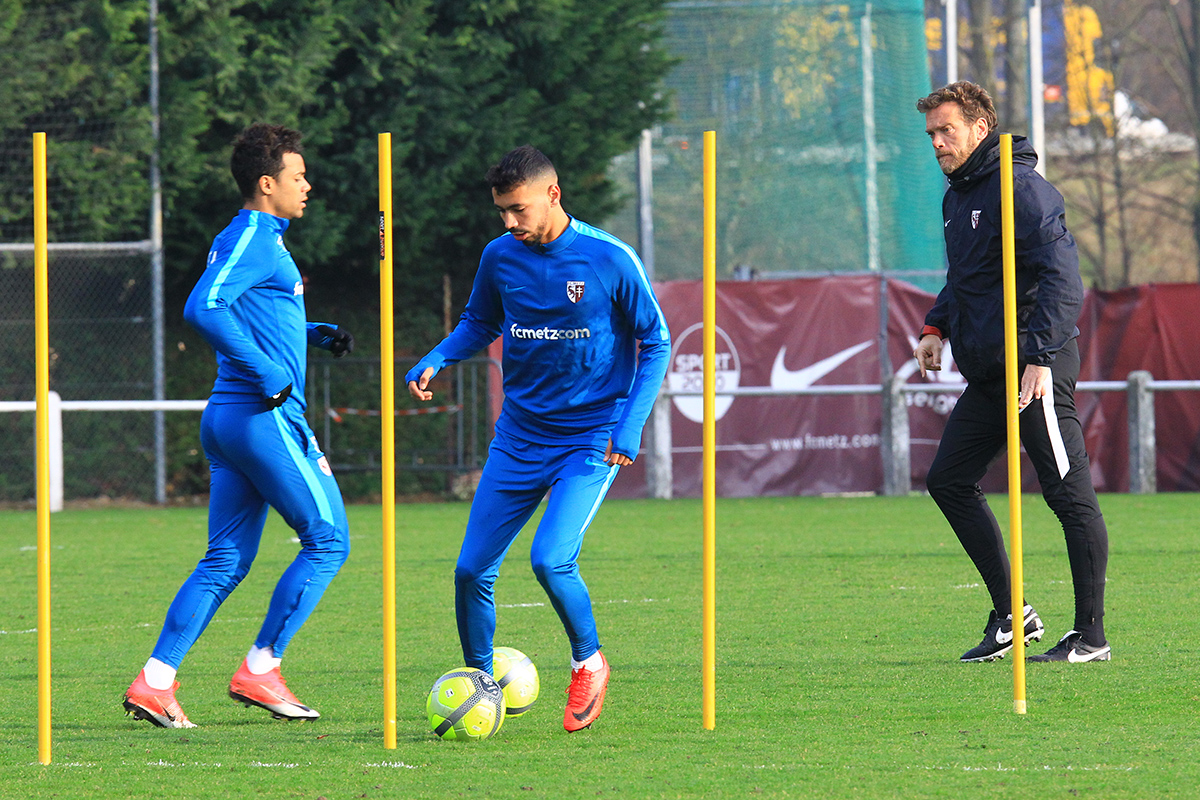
point(249, 305)
point(572, 313)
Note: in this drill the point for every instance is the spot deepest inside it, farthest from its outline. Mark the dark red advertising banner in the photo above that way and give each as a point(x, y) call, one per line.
point(814, 332)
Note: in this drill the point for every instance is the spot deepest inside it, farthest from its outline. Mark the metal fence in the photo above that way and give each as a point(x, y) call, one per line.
point(101, 348)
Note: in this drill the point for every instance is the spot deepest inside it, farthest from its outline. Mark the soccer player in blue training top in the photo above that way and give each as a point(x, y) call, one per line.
point(961, 122)
point(249, 305)
point(572, 303)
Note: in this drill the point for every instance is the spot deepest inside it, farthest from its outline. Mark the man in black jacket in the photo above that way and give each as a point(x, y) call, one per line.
point(961, 122)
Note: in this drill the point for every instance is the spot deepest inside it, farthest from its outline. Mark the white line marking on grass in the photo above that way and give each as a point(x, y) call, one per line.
point(643, 600)
point(1043, 768)
point(161, 763)
point(278, 764)
point(13, 633)
point(395, 764)
point(967, 586)
point(601, 603)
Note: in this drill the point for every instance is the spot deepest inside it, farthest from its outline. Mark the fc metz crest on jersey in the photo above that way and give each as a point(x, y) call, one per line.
point(574, 291)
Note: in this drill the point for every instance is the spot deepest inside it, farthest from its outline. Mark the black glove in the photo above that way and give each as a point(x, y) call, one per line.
point(341, 342)
point(276, 400)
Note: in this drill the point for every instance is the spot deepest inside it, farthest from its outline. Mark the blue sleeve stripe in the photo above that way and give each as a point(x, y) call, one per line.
point(314, 486)
point(596, 233)
point(242, 243)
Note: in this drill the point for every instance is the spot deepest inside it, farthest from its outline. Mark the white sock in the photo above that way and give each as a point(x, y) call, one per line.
point(261, 660)
point(158, 674)
point(591, 663)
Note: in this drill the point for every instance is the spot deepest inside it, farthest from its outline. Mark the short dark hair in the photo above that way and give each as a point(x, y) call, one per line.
point(259, 151)
point(518, 167)
point(972, 99)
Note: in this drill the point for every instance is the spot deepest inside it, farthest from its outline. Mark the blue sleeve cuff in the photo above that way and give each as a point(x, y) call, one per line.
point(431, 360)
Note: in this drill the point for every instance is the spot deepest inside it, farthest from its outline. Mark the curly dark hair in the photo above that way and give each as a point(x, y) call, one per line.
point(519, 167)
point(259, 151)
point(972, 99)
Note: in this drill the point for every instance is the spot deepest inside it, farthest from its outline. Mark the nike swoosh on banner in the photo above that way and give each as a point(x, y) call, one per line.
point(784, 378)
point(582, 716)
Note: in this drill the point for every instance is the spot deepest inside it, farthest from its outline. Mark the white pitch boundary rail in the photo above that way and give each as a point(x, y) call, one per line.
point(58, 406)
point(1139, 387)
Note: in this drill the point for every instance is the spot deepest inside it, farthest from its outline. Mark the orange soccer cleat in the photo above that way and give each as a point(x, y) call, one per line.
point(158, 706)
point(268, 691)
point(585, 698)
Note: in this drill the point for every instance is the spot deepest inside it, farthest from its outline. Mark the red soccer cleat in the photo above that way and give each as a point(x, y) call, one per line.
point(268, 691)
point(585, 698)
point(158, 706)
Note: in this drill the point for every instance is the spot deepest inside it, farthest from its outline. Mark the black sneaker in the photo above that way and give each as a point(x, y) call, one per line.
point(998, 638)
point(1072, 648)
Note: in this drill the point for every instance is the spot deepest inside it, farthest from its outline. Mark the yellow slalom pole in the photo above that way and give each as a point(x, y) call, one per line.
point(1012, 389)
point(42, 380)
point(387, 416)
point(709, 559)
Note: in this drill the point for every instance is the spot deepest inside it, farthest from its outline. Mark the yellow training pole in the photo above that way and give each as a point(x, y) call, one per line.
point(387, 416)
point(41, 360)
point(709, 559)
point(1012, 388)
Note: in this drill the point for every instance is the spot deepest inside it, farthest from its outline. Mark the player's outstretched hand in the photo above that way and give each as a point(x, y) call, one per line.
point(341, 341)
point(929, 353)
point(616, 458)
point(276, 400)
point(417, 388)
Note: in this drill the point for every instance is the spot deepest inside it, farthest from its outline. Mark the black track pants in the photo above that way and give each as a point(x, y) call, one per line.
point(975, 436)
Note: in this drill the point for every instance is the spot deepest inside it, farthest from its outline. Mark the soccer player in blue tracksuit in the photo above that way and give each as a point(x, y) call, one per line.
point(249, 305)
point(585, 350)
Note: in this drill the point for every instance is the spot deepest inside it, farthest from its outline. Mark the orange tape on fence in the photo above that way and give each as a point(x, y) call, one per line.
point(339, 412)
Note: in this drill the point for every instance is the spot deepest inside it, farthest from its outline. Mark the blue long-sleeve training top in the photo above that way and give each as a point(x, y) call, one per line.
point(572, 313)
point(249, 305)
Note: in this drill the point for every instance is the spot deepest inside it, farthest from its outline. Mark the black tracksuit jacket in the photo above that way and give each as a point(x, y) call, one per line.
point(970, 308)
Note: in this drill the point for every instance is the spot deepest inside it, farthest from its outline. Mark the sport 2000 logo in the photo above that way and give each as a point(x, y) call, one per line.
point(686, 372)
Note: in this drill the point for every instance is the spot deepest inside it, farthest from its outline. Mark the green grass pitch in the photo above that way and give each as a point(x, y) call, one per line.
point(839, 624)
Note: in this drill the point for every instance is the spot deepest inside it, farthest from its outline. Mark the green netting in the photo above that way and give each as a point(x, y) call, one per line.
point(782, 84)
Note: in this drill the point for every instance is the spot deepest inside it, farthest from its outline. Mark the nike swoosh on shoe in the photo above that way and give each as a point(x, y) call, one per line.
point(581, 716)
point(1075, 657)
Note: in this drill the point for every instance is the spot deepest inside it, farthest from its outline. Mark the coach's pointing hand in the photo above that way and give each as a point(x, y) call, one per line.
point(929, 353)
point(417, 388)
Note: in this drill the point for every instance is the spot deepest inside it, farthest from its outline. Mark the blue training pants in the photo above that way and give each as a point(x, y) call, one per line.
point(515, 478)
point(260, 457)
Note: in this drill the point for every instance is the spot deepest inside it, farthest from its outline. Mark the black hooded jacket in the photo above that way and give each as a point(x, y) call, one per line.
point(970, 308)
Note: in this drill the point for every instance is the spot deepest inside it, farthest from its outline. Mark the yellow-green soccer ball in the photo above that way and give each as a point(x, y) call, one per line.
point(465, 703)
point(518, 677)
